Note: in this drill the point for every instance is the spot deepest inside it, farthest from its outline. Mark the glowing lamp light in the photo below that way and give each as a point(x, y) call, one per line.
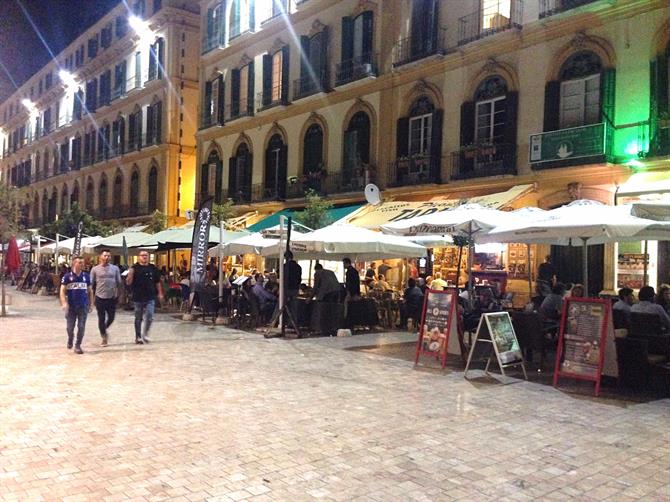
point(30, 106)
point(67, 78)
point(141, 28)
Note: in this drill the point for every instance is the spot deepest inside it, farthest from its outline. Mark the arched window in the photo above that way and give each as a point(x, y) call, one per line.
point(313, 150)
point(64, 200)
point(239, 175)
point(102, 194)
point(152, 184)
point(74, 198)
point(89, 196)
point(313, 63)
point(356, 144)
point(45, 207)
point(420, 127)
point(491, 110)
point(580, 90)
point(216, 166)
point(53, 200)
point(274, 183)
point(117, 194)
point(134, 192)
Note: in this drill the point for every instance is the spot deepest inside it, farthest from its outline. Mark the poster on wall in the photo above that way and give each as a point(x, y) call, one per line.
point(581, 344)
point(438, 320)
point(518, 261)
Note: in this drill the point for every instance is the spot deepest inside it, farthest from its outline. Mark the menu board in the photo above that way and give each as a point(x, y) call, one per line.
point(504, 338)
point(582, 338)
point(436, 323)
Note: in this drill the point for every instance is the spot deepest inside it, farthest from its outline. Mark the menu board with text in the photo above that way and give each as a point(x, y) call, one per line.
point(437, 321)
point(582, 338)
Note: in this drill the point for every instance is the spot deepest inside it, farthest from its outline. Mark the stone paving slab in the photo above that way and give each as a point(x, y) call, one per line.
point(207, 413)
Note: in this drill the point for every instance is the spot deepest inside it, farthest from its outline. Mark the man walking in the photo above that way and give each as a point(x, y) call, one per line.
point(145, 280)
point(106, 281)
point(76, 299)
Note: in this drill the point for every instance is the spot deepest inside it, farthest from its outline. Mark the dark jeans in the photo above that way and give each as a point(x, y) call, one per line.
point(76, 315)
point(106, 308)
point(144, 310)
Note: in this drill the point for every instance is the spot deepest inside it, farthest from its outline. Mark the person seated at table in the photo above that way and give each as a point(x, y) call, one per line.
point(326, 286)
point(485, 302)
point(577, 291)
point(646, 305)
point(267, 302)
point(412, 304)
point(382, 284)
point(272, 283)
point(421, 284)
point(552, 306)
point(663, 297)
point(438, 284)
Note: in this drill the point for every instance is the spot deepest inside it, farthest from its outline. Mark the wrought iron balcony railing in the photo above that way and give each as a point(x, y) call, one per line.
point(485, 22)
point(551, 7)
point(356, 69)
point(414, 170)
point(481, 160)
point(419, 46)
point(310, 84)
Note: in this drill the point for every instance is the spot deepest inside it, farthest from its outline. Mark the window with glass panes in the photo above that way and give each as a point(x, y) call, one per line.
point(276, 76)
point(580, 101)
point(244, 87)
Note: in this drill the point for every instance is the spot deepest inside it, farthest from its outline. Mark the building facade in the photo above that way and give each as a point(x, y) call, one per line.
point(432, 99)
point(110, 123)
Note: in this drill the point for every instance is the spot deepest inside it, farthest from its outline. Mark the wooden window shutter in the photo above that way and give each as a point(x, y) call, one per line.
point(436, 145)
point(267, 79)
point(220, 107)
point(368, 36)
point(250, 89)
point(402, 137)
point(511, 117)
point(285, 74)
point(304, 58)
point(235, 93)
point(552, 104)
point(347, 39)
point(608, 95)
point(204, 180)
point(467, 123)
point(325, 80)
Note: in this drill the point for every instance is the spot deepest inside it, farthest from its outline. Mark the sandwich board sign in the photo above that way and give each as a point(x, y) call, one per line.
point(585, 324)
point(438, 322)
point(495, 336)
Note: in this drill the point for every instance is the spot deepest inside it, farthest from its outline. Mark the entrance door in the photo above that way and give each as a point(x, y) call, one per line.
point(568, 263)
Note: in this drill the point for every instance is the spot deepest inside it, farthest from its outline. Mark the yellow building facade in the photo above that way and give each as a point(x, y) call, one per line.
point(110, 123)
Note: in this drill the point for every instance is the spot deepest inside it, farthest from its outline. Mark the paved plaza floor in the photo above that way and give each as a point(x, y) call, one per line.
point(207, 413)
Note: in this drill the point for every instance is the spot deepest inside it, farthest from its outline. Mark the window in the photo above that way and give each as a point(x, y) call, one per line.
point(119, 80)
point(239, 175)
point(491, 111)
point(102, 194)
point(89, 196)
point(214, 167)
point(117, 194)
point(48, 81)
point(496, 14)
point(275, 168)
point(138, 70)
point(139, 8)
point(156, 57)
point(356, 143)
point(154, 122)
point(106, 36)
point(357, 44)
point(152, 184)
point(121, 27)
point(76, 152)
point(235, 18)
point(135, 130)
point(313, 150)
point(580, 90)
point(157, 5)
point(215, 27)
point(314, 63)
point(93, 47)
point(213, 106)
point(420, 127)
point(105, 88)
point(77, 104)
point(242, 92)
point(276, 76)
point(92, 95)
point(47, 120)
point(134, 192)
point(118, 136)
point(423, 26)
point(64, 156)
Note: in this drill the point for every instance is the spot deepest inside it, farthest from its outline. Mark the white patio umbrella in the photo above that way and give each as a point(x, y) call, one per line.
point(66, 246)
point(339, 241)
point(581, 223)
point(115, 242)
point(248, 244)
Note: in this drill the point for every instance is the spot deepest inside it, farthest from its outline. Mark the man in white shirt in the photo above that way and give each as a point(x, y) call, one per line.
point(106, 283)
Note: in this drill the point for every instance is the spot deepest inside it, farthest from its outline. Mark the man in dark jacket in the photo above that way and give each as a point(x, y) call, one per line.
point(292, 276)
point(352, 280)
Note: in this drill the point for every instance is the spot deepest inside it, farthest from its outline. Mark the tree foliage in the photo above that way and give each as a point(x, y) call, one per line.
point(223, 212)
point(315, 215)
point(10, 211)
point(158, 222)
point(67, 224)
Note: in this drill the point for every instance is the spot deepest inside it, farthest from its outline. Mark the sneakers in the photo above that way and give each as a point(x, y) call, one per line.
point(104, 341)
point(138, 341)
point(77, 350)
point(69, 345)
point(146, 339)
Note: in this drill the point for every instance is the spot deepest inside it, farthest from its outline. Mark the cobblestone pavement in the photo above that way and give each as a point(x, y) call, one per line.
point(214, 414)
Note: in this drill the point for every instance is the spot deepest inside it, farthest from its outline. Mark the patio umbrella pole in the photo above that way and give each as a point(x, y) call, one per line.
point(646, 263)
point(471, 256)
point(220, 302)
point(585, 266)
point(3, 312)
point(56, 253)
point(530, 273)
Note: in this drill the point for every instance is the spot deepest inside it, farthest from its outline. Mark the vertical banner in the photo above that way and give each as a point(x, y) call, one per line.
point(199, 245)
point(76, 249)
point(125, 252)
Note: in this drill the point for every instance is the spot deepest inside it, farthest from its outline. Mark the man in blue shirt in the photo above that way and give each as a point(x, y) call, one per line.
point(76, 298)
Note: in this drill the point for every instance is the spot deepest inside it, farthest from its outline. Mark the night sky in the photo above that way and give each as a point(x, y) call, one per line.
point(22, 53)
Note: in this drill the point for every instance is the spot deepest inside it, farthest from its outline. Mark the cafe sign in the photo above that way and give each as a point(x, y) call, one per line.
point(566, 144)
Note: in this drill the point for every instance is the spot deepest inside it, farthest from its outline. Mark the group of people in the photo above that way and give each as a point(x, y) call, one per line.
point(81, 290)
point(648, 303)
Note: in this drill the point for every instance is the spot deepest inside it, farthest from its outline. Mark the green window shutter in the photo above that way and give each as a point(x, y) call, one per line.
point(235, 93)
point(325, 80)
point(512, 109)
point(267, 79)
point(285, 74)
point(436, 145)
point(347, 39)
point(467, 123)
point(250, 89)
point(368, 36)
point(607, 95)
point(221, 107)
point(304, 58)
point(204, 179)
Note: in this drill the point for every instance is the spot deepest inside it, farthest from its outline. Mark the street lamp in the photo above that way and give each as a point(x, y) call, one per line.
point(141, 28)
point(68, 79)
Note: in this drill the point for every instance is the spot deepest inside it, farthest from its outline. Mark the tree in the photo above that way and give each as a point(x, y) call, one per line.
point(315, 215)
point(67, 224)
point(10, 214)
point(158, 222)
point(221, 213)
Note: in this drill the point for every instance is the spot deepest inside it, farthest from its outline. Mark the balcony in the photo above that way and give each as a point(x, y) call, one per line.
point(573, 146)
point(239, 195)
point(310, 84)
point(415, 170)
point(122, 211)
point(489, 21)
point(325, 184)
point(241, 111)
point(210, 43)
point(481, 160)
point(263, 103)
point(356, 69)
point(418, 46)
point(208, 121)
point(551, 7)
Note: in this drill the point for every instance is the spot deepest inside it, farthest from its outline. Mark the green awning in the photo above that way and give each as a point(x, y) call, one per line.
point(335, 214)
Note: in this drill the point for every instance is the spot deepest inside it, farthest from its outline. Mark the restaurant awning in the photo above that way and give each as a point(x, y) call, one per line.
point(646, 183)
point(335, 214)
point(392, 211)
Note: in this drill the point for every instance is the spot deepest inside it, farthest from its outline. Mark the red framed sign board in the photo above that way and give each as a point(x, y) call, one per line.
point(438, 319)
point(585, 323)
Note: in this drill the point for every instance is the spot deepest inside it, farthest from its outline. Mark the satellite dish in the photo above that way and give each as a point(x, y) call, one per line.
point(372, 194)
